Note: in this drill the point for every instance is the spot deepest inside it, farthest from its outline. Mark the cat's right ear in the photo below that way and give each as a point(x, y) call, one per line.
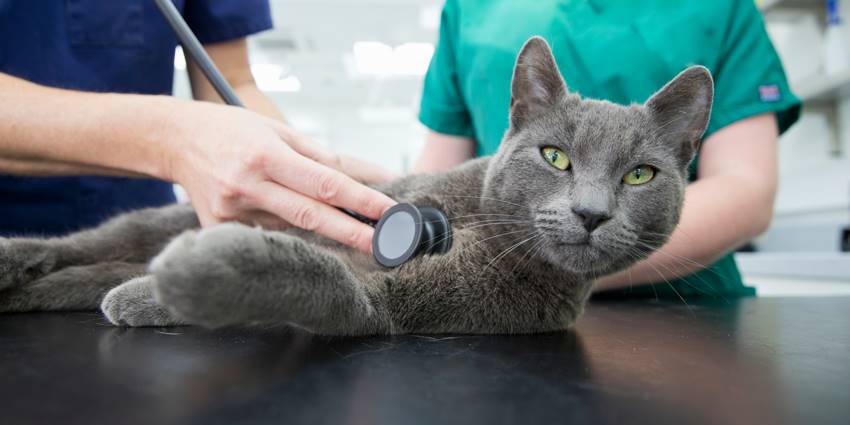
point(537, 83)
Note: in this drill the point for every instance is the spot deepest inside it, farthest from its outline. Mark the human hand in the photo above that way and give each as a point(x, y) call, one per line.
point(237, 165)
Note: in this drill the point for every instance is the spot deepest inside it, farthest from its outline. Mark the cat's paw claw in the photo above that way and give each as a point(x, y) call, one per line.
point(132, 304)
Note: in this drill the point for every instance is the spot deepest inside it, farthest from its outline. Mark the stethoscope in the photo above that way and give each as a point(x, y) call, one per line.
point(403, 232)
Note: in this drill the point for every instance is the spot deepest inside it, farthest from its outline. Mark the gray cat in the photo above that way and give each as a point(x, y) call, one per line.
point(578, 189)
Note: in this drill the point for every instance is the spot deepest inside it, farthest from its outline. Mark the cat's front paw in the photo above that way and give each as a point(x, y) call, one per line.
point(200, 274)
point(132, 304)
point(23, 261)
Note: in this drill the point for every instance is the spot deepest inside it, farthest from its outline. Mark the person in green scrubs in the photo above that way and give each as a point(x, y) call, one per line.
point(623, 51)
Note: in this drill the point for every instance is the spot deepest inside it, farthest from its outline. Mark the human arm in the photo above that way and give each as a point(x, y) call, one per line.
point(53, 131)
point(730, 203)
point(443, 151)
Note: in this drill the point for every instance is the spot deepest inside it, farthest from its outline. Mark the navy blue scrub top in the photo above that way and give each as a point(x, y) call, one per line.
point(104, 46)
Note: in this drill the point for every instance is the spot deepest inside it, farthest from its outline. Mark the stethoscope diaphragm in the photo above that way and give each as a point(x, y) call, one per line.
point(406, 231)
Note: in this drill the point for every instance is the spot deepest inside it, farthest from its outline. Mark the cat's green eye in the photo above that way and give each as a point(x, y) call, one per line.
point(639, 175)
point(556, 157)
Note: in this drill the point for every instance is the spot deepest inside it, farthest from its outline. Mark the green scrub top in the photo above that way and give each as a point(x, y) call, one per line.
point(619, 50)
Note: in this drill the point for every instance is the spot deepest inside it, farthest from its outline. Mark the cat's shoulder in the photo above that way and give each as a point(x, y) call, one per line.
point(467, 177)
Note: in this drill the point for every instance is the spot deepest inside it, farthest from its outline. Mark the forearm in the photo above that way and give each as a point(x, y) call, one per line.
point(42, 168)
point(720, 214)
point(258, 101)
point(54, 131)
point(443, 151)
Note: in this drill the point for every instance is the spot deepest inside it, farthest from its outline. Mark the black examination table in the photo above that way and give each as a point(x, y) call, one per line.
point(750, 361)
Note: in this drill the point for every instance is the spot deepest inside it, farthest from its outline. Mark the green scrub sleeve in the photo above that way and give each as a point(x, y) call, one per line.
point(749, 79)
point(442, 108)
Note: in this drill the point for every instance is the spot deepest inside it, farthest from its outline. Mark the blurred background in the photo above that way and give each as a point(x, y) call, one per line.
point(348, 74)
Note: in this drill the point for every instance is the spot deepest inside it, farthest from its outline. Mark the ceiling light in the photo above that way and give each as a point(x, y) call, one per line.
point(413, 58)
point(179, 59)
point(372, 57)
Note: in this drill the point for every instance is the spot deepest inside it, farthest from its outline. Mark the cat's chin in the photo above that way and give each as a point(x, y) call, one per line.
point(582, 259)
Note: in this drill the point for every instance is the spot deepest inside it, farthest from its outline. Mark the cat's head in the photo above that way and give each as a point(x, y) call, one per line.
point(604, 183)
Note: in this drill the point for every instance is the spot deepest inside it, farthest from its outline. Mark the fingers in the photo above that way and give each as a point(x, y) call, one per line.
point(310, 214)
point(307, 148)
point(297, 182)
point(328, 186)
point(264, 219)
point(364, 171)
point(358, 169)
point(236, 210)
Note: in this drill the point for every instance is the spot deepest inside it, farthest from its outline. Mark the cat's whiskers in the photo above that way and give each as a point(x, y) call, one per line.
point(673, 271)
point(636, 258)
point(679, 258)
point(492, 237)
point(494, 215)
point(508, 250)
point(663, 236)
point(528, 253)
point(667, 281)
point(637, 254)
point(645, 249)
point(673, 288)
point(714, 292)
point(485, 214)
point(685, 260)
point(493, 221)
point(441, 237)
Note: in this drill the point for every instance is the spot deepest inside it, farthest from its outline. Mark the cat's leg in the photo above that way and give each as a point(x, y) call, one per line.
point(24, 260)
point(131, 238)
point(71, 288)
point(233, 274)
point(132, 304)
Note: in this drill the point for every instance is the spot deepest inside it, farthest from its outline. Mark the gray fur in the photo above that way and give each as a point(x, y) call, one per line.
point(522, 261)
point(132, 304)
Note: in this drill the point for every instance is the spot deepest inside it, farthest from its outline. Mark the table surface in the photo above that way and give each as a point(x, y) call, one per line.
point(753, 361)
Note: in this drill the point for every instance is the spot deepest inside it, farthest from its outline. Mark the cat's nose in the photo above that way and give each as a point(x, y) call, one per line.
point(590, 219)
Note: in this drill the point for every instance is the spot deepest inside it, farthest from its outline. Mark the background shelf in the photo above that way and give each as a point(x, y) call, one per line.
point(824, 89)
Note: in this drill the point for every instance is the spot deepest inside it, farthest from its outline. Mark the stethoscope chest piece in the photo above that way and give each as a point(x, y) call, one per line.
point(406, 231)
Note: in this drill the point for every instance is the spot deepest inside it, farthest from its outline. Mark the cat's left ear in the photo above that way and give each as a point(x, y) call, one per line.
point(682, 108)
